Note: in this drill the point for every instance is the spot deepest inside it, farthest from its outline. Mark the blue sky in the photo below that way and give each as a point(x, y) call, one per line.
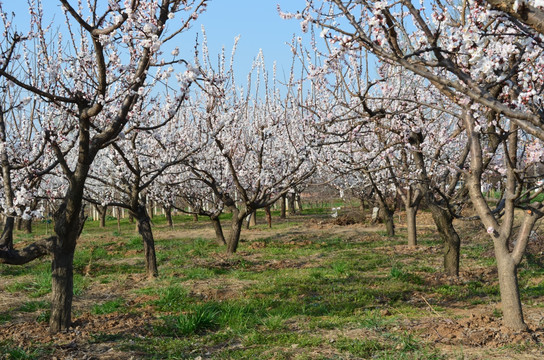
point(259, 26)
point(256, 21)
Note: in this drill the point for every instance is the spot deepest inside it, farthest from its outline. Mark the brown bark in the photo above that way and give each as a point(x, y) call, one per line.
point(219, 236)
point(291, 199)
point(31, 252)
point(6, 240)
point(237, 221)
point(363, 209)
point(512, 311)
point(103, 212)
point(168, 214)
point(452, 243)
point(442, 217)
point(411, 212)
point(144, 228)
point(62, 273)
point(283, 198)
point(387, 216)
point(526, 13)
point(27, 226)
point(68, 227)
point(298, 202)
point(507, 261)
point(268, 216)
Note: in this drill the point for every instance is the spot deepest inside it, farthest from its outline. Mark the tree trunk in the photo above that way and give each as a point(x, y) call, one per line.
point(292, 210)
point(282, 206)
point(151, 211)
point(19, 223)
point(452, 243)
point(363, 210)
point(118, 220)
point(389, 224)
point(268, 216)
point(27, 224)
point(62, 281)
point(168, 214)
point(219, 236)
point(299, 202)
point(103, 214)
point(512, 313)
point(253, 219)
point(411, 212)
point(144, 228)
point(6, 240)
point(195, 217)
point(387, 217)
point(235, 230)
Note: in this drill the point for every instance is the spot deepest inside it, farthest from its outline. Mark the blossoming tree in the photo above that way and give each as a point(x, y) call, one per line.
point(92, 75)
point(485, 57)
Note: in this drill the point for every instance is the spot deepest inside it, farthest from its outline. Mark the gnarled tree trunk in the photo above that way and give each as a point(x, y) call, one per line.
point(144, 228)
point(219, 236)
point(443, 220)
point(62, 284)
point(268, 216)
point(238, 218)
point(69, 222)
point(168, 214)
point(6, 240)
point(387, 216)
point(291, 199)
point(27, 225)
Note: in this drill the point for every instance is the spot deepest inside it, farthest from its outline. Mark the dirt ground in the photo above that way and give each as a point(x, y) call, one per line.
point(475, 328)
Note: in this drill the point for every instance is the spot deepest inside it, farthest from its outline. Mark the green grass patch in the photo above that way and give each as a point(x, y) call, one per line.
point(109, 307)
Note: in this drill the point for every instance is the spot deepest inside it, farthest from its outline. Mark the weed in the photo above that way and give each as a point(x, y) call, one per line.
point(31, 306)
point(5, 317)
point(274, 322)
point(340, 267)
point(44, 316)
point(171, 298)
point(109, 307)
point(362, 348)
point(202, 318)
point(372, 319)
point(399, 274)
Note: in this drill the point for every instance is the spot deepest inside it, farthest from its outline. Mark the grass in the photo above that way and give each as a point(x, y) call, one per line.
point(299, 296)
point(200, 319)
point(109, 307)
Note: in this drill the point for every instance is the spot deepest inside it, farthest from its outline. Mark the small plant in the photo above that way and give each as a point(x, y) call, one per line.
point(199, 247)
point(274, 322)
point(340, 267)
point(399, 274)
point(201, 319)
point(109, 307)
point(31, 306)
point(374, 320)
point(5, 317)
point(44, 316)
point(407, 343)
point(134, 242)
point(171, 298)
point(362, 348)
